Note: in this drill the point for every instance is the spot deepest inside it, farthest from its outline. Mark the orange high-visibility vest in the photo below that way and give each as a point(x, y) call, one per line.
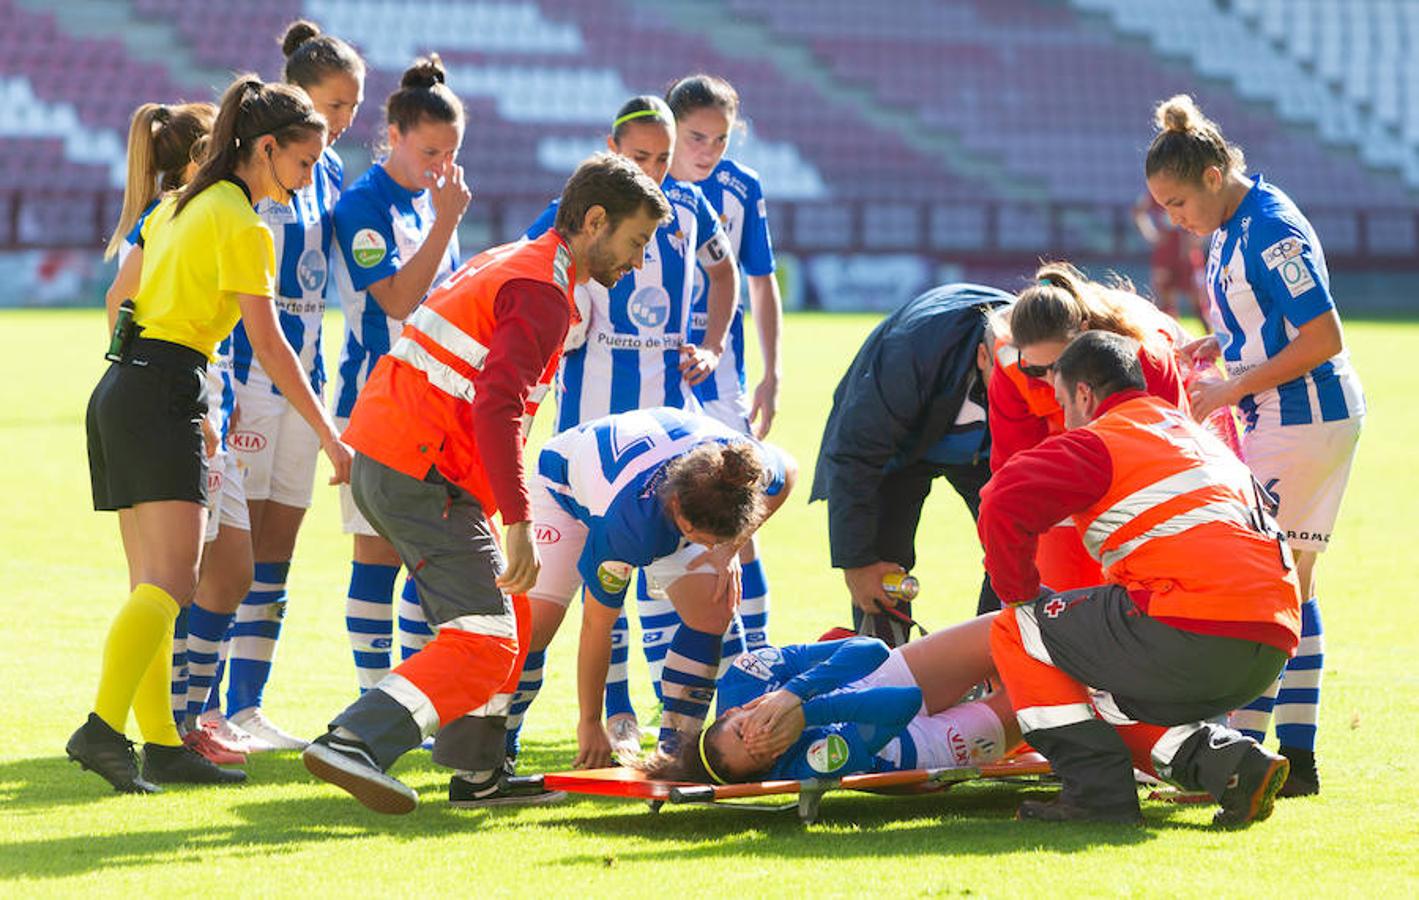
point(415, 410)
point(1182, 520)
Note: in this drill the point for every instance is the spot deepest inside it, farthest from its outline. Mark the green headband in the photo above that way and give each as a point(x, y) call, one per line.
point(638, 114)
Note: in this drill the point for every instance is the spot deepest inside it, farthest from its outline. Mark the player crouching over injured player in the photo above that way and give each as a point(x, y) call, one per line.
point(844, 707)
point(1199, 614)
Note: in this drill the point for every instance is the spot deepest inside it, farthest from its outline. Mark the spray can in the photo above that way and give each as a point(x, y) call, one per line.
point(122, 337)
point(900, 586)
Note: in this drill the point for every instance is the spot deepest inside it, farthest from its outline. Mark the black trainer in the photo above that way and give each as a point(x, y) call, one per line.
point(1304, 780)
point(500, 789)
point(98, 748)
point(1060, 810)
point(1251, 793)
point(183, 765)
point(349, 765)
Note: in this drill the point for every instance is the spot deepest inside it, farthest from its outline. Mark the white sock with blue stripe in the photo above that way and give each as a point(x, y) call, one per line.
point(414, 630)
point(205, 633)
point(658, 624)
point(1254, 719)
point(1298, 703)
point(529, 684)
point(687, 684)
point(254, 634)
point(754, 607)
point(369, 620)
point(618, 688)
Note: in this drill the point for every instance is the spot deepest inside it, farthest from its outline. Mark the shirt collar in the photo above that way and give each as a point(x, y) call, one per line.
point(234, 179)
point(1244, 207)
point(1117, 399)
point(392, 187)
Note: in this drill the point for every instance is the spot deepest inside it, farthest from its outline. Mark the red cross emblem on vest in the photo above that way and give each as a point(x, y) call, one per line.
point(1054, 607)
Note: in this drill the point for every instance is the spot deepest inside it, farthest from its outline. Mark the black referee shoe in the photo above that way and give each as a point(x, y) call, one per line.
point(98, 748)
point(1303, 781)
point(183, 765)
point(1251, 793)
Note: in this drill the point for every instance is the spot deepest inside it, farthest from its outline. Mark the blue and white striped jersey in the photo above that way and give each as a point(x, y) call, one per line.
point(734, 191)
point(606, 472)
point(634, 330)
point(379, 225)
point(1267, 277)
point(303, 231)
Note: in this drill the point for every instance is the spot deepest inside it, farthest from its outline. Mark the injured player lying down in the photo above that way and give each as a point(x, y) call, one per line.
point(844, 707)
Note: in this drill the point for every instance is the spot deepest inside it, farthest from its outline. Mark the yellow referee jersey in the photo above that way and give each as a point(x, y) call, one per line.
point(195, 265)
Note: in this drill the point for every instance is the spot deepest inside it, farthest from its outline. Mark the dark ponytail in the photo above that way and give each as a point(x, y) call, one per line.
point(688, 763)
point(423, 94)
point(719, 488)
point(311, 56)
point(250, 109)
point(1188, 143)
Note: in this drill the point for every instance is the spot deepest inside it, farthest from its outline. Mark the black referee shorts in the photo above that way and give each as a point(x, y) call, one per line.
point(145, 428)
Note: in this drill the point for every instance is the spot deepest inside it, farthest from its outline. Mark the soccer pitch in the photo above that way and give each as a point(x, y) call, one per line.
point(65, 832)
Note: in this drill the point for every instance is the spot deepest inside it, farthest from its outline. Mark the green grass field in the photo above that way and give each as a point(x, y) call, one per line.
point(66, 832)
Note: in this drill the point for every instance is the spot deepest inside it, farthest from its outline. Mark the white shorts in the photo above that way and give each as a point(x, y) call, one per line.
point(1306, 467)
point(732, 411)
point(276, 448)
point(560, 539)
point(966, 735)
point(352, 521)
point(226, 501)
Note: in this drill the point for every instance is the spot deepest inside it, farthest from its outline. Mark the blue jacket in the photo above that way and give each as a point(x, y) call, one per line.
point(899, 399)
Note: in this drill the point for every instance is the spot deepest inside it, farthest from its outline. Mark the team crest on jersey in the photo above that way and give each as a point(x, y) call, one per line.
point(310, 270)
point(751, 665)
point(828, 754)
point(368, 248)
point(614, 576)
point(677, 240)
point(649, 307)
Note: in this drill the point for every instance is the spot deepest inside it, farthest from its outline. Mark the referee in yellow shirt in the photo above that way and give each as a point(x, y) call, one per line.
point(205, 260)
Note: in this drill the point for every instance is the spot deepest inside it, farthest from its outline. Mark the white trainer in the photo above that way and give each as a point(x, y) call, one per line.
point(624, 733)
point(254, 722)
point(229, 736)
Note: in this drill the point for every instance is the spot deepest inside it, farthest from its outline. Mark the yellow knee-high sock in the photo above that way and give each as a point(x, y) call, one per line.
point(142, 626)
point(152, 704)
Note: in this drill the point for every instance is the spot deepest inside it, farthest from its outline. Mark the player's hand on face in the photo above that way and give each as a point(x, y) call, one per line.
point(1203, 352)
point(593, 747)
point(523, 561)
point(452, 196)
point(865, 585)
point(766, 711)
point(697, 363)
point(765, 407)
point(773, 742)
point(340, 456)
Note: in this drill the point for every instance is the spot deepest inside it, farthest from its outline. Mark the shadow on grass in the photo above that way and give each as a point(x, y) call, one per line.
point(967, 820)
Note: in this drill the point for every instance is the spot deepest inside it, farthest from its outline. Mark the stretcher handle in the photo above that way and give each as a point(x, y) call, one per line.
point(527, 782)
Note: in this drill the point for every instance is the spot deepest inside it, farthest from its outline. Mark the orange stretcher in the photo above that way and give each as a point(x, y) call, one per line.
point(629, 784)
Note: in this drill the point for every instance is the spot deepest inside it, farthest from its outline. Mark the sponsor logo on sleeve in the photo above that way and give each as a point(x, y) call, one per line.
point(827, 754)
point(614, 576)
point(1284, 258)
point(368, 248)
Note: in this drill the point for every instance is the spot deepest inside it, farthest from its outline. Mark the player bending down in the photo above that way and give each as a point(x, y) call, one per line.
point(675, 494)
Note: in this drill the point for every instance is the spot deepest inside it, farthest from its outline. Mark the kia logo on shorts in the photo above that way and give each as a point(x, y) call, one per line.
point(546, 534)
point(247, 441)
